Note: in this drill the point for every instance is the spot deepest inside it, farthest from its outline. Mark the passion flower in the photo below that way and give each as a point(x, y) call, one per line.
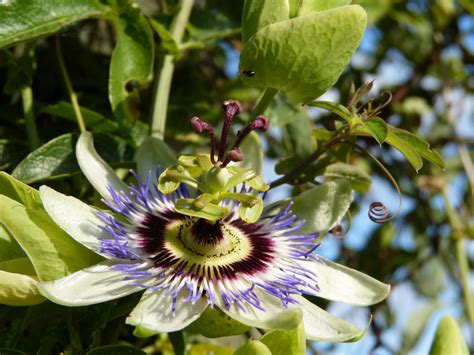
point(254, 272)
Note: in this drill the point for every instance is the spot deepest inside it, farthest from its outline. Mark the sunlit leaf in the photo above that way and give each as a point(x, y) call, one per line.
point(284, 55)
point(283, 342)
point(260, 13)
point(57, 157)
point(322, 207)
point(358, 178)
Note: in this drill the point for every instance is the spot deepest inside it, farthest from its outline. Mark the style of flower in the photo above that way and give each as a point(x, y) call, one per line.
point(254, 272)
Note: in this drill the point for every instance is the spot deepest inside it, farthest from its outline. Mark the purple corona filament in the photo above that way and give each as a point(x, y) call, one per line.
point(229, 260)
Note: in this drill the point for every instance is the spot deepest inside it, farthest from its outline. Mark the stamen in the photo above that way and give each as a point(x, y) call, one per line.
point(261, 123)
point(200, 126)
point(231, 108)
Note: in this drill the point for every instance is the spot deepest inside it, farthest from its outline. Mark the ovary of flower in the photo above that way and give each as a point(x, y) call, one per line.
point(256, 273)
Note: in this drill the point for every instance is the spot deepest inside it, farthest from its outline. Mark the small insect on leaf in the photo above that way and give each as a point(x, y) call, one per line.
point(248, 72)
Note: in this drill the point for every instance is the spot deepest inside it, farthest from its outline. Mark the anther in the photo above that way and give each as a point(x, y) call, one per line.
point(235, 155)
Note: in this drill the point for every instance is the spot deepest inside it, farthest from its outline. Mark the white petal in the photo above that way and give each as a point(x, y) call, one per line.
point(89, 286)
point(321, 325)
point(96, 170)
point(76, 218)
point(275, 316)
point(343, 284)
point(154, 312)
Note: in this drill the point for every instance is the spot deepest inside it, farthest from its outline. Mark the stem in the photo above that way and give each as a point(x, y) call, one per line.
point(461, 255)
point(165, 73)
point(31, 130)
point(70, 90)
point(304, 164)
point(264, 101)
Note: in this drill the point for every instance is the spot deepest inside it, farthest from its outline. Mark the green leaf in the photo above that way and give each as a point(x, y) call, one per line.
point(132, 62)
point(430, 278)
point(422, 147)
point(335, 108)
point(285, 342)
point(20, 192)
point(210, 211)
point(178, 342)
point(282, 58)
point(322, 207)
point(93, 119)
point(167, 41)
point(252, 150)
point(214, 323)
point(52, 252)
point(260, 13)
point(298, 134)
point(359, 179)
point(116, 350)
point(9, 248)
point(57, 157)
point(28, 19)
point(253, 347)
point(308, 6)
point(406, 149)
point(448, 339)
point(151, 154)
point(377, 128)
point(11, 151)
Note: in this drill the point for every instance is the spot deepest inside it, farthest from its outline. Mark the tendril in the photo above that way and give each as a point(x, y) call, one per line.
point(378, 212)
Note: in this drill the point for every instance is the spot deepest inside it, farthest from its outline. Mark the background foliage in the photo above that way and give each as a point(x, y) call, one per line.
point(423, 52)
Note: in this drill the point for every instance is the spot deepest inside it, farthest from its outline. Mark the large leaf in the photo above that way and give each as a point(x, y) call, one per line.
point(358, 178)
point(27, 19)
point(309, 6)
point(322, 207)
point(260, 13)
point(52, 252)
point(152, 154)
point(252, 149)
point(283, 342)
point(303, 56)
point(214, 323)
point(57, 157)
point(448, 339)
point(131, 63)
